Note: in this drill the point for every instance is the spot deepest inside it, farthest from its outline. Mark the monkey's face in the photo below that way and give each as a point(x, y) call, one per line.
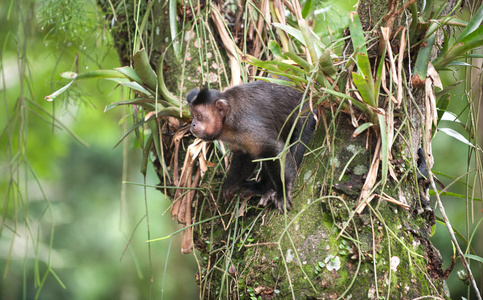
point(207, 122)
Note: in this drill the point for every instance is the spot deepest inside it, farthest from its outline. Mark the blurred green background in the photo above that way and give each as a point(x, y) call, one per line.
point(69, 224)
point(64, 204)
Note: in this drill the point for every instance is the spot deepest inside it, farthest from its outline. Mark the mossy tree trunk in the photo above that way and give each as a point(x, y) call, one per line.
point(323, 248)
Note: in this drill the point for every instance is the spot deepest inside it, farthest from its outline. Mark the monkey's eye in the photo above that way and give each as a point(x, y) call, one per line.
point(198, 116)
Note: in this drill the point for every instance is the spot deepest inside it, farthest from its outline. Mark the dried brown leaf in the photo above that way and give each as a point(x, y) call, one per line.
point(179, 207)
point(187, 241)
point(434, 75)
point(402, 47)
point(388, 198)
point(232, 269)
point(365, 196)
point(177, 138)
point(385, 35)
point(265, 11)
point(232, 50)
point(430, 118)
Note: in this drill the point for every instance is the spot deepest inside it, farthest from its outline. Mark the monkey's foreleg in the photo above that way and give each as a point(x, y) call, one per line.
point(240, 169)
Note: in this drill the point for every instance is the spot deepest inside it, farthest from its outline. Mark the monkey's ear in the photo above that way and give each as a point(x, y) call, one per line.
point(223, 107)
point(192, 95)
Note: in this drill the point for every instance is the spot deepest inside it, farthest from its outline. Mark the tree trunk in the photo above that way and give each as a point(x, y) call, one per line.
point(323, 248)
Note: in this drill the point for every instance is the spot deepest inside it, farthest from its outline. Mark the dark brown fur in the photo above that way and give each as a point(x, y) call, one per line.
point(253, 120)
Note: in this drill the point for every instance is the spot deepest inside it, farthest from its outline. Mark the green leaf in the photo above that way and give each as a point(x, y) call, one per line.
point(454, 134)
point(451, 117)
point(137, 125)
point(144, 70)
point(365, 69)
point(377, 84)
point(297, 80)
point(361, 106)
point(473, 24)
point(146, 153)
point(145, 102)
point(459, 63)
point(337, 94)
point(362, 128)
point(298, 60)
point(167, 95)
point(132, 85)
point(474, 257)
point(475, 36)
point(473, 55)
point(292, 31)
point(364, 79)
point(68, 75)
point(424, 55)
point(275, 48)
point(446, 90)
point(123, 119)
point(326, 64)
point(451, 194)
point(309, 38)
point(52, 96)
point(307, 8)
point(97, 74)
point(427, 9)
point(297, 34)
point(275, 66)
point(100, 74)
point(461, 48)
point(130, 73)
point(276, 80)
point(137, 87)
point(173, 28)
point(156, 140)
point(357, 34)
point(364, 89)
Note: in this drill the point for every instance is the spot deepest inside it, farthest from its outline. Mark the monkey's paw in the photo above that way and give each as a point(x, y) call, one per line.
point(271, 195)
point(229, 192)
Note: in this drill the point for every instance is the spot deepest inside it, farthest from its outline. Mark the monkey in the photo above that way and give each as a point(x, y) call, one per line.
point(255, 120)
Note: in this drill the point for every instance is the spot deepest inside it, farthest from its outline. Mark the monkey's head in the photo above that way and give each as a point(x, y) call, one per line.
point(208, 112)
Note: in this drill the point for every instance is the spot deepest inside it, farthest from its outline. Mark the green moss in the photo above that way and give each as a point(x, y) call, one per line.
point(304, 245)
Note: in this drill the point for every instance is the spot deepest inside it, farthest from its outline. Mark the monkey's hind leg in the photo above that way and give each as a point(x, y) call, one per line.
point(277, 195)
point(260, 186)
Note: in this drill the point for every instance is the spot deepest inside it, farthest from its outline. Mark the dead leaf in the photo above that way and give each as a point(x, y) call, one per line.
point(232, 269)
point(234, 54)
point(187, 241)
point(385, 35)
point(365, 196)
point(430, 119)
point(388, 198)
point(402, 47)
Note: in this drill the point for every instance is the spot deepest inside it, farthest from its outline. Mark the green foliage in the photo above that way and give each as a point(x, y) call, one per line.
point(66, 20)
point(308, 55)
point(469, 39)
point(452, 51)
point(303, 73)
point(69, 228)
